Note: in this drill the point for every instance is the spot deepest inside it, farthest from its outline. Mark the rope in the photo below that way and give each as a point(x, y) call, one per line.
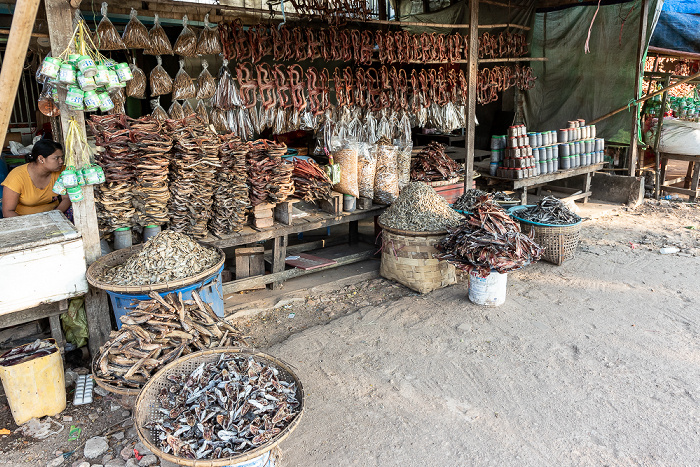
point(586, 48)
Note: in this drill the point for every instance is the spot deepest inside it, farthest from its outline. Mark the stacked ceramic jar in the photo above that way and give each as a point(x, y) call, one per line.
point(578, 145)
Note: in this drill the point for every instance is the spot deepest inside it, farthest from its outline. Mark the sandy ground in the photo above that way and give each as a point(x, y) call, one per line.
point(596, 362)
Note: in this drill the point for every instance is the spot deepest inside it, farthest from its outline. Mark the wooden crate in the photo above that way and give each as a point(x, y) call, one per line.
point(250, 261)
point(263, 215)
point(332, 207)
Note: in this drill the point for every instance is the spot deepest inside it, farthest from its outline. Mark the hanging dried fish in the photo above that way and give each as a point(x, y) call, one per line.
point(311, 183)
point(206, 85)
point(159, 112)
point(226, 95)
point(208, 42)
point(186, 43)
point(161, 82)
point(269, 176)
point(158, 40)
point(187, 109)
point(432, 165)
point(135, 34)
point(183, 86)
point(231, 191)
point(202, 111)
point(107, 36)
point(136, 87)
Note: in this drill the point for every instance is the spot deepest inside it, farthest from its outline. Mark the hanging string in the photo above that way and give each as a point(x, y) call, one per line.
point(586, 48)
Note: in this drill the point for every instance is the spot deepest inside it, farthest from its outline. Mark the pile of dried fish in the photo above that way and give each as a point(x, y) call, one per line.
point(24, 353)
point(165, 257)
point(467, 201)
point(157, 332)
point(420, 209)
point(224, 408)
point(488, 240)
point(432, 164)
point(549, 210)
point(151, 191)
point(231, 191)
point(311, 183)
point(195, 162)
point(114, 207)
point(269, 176)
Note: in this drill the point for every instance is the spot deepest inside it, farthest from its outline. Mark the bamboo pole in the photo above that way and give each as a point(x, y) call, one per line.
point(473, 69)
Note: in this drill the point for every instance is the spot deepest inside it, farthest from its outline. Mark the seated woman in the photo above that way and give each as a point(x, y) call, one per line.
point(28, 188)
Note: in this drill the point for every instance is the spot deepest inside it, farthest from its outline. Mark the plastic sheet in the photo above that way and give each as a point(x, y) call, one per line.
point(161, 82)
point(135, 34)
point(186, 42)
point(136, 87)
point(206, 85)
point(208, 42)
point(107, 36)
point(183, 86)
point(158, 39)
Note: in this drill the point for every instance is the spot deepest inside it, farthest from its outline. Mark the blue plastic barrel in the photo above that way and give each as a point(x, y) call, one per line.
point(210, 289)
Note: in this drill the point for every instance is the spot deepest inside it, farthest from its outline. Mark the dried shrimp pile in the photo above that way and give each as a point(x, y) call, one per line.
point(166, 257)
point(151, 192)
point(549, 210)
point(420, 209)
point(488, 240)
point(311, 183)
point(231, 191)
point(225, 408)
point(432, 164)
point(269, 176)
point(157, 332)
point(195, 162)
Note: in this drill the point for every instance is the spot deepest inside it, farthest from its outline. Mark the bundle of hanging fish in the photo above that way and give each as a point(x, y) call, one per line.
point(311, 182)
point(193, 170)
point(224, 408)
point(231, 191)
point(151, 191)
point(488, 240)
point(113, 198)
point(549, 210)
point(156, 332)
point(269, 176)
point(433, 165)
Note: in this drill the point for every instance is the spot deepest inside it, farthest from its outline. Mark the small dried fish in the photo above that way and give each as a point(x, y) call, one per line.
point(231, 191)
point(419, 208)
point(549, 210)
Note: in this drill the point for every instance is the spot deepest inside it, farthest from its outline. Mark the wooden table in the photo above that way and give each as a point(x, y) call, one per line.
point(691, 186)
point(523, 184)
point(278, 233)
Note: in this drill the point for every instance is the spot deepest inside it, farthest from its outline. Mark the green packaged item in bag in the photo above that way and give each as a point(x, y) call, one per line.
point(74, 323)
point(332, 170)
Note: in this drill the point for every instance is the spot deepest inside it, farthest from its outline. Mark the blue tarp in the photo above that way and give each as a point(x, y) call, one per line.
point(679, 26)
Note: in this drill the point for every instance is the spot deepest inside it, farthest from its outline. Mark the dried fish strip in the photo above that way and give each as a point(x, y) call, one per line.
point(470, 198)
point(158, 40)
point(202, 111)
point(106, 34)
point(186, 43)
point(114, 207)
point(135, 34)
point(153, 335)
point(420, 209)
point(549, 210)
point(311, 183)
point(432, 164)
point(161, 82)
point(269, 176)
point(224, 408)
point(231, 191)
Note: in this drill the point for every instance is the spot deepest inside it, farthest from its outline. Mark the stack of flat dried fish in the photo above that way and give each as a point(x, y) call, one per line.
point(432, 164)
point(151, 191)
point(165, 257)
point(420, 209)
point(311, 183)
point(231, 191)
point(549, 210)
point(114, 197)
point(488, 240)
point(269, 176)
point(157, 332)
point(224, 408)
point(194, 165)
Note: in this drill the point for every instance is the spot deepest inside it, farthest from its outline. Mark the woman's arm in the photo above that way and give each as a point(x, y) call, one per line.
point(10, 200)
point(64, 204)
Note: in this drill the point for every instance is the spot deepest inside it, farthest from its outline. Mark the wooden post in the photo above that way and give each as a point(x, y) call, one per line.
point(641, 47)
point(471, 92)
point(657, 139)
point(13, 62)
point(59, 15)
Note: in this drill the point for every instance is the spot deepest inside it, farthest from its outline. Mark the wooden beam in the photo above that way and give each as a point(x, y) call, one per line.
point(641, 48)
point(34, 34)
point(13, 61)
point(470, 108)
point(673, 53)
point(59, 15)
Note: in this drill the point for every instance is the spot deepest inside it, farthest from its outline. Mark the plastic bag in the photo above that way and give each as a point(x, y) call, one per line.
point(218, 119)
point(280, 124)
point(161, 82)
point(226, 96)
point(107, 36)
point(74, 323)
point(158, 39)
point(183, 86)
point(232, 121)
point(368, 168)
point(386, 180)
point(136, 87)
point(175, 111)
point(118, 99)
point(46, 104)
point(208, 42)
point(186, 42)
point(206, 85)
point(187, 109)
point(135, 34)
point(245, 124)
point(371, 127)
point(159, 112)
point(201, 109)
point(347, 159)
point(404, 164)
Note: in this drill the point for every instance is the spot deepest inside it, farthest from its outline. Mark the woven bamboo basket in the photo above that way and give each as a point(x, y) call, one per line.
point(559, 241)
point(451, 181)
point(110, 387)
point(118, 257)
point(146, 408)
point(407, 258)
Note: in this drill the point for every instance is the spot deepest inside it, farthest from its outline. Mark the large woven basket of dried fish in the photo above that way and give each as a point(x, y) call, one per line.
point(219, 407)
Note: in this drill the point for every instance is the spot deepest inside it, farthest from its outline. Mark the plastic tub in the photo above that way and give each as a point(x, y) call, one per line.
point(150, 231)
point(122, 238)
point(489, 290)
point(210, 289)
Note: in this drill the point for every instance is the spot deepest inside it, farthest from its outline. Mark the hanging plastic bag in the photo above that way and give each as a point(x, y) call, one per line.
point(161, 82)
point(187, 109)
point(371, 127)
point(245, 125)
point(201, 109)
point(74, 323)
point(347, 159)
point(47, 105)
point(208, 42)
point(368, 167)
point(186, 42)
point(218, 119)
point(118, 100)
point(135, 34)
point(226, 96)
point(136, 87)
point(183, 86)
point(206, 85)
point(232, 122)
point(158, 39)
point(279, 126)
point(159, 112)
point(107, 36)
point(175, 111)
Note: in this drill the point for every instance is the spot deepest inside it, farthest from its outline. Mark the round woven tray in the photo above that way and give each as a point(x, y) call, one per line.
point(118, 257)
point(146, 407)
point(411, 233)
point(111, 388)
point(451, 181)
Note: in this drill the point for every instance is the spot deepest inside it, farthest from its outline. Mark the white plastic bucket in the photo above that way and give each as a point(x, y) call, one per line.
point(488, 291)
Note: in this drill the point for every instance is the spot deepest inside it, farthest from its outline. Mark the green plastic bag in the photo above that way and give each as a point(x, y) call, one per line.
point(74, 323)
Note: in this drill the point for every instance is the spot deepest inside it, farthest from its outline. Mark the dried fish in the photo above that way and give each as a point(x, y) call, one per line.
point(24, 353)
point(208, 42)
point(420, 209)
point(183, 86)
point(161, 82)
point(136, 87)
point(158, 40)
point(386, 179)
point(311, 183)
point(549, 210)
point(186, 43)
point(135, 34)
point(106, 34)
point(467, 201)
point(206, 85)
point(432, 164)
point(269, 176)
point(231, 191)
point(175, 111)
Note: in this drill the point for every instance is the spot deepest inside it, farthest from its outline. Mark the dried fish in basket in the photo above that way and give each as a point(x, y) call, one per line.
point(230, 191)
point(269, 176)
point(156, 332)
point(106, 34)
point(183, 86)
point(311, 183)
point(158, 40)
point(549, 210)
point(161, 82)
point(206, 85)
point(135, 34)
point(432, 164)
point(186, 42)
point(420, 209)
point(194, 167)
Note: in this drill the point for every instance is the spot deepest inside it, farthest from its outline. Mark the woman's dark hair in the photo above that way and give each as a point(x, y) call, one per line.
point(43, 147)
